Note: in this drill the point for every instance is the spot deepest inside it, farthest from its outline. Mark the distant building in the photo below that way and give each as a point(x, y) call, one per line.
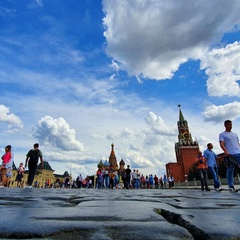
point(186, 151)
point(113, 159)
point(43, 175)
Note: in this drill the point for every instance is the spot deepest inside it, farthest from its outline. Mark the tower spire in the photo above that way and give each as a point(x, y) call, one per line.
point(112, 158)
point(181, 118)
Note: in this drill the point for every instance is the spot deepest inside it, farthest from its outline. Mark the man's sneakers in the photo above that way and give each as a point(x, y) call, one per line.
point(232, 189)
point(218, 189)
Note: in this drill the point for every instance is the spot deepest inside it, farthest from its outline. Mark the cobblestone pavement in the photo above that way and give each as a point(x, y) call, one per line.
point(94, 214)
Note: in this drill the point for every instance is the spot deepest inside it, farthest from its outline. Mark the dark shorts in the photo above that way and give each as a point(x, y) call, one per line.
point(19, 177)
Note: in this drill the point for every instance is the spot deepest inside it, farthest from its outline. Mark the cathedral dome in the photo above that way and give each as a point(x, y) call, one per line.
point(106, 164)
point(122, 162)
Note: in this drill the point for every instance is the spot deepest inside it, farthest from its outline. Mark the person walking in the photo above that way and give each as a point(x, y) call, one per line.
point(229, 142)
point(142, 181)
point(9, 167)
point(165, 180)
point(6, 161)
point(134, 177)
point(156, 181)
point(211, 158)
point(170, 182)
point(19, 177)
point(172, 178)
point(111, 173)
point(127, 176)
point(151, 180)
point(32, 161)
point(161, 182)
point(99, 184)
point(202, 171)
point(137, 180)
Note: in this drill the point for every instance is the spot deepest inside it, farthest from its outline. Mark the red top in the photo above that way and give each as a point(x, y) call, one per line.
point(201, 162)
point(6, 158)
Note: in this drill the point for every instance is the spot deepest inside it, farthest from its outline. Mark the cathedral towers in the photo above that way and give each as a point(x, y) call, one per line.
point(113, 159)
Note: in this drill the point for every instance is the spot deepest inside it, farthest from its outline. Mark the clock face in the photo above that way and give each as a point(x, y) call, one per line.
point(186, 135)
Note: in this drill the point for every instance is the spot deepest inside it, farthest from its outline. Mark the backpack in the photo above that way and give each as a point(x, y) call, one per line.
point(33, 156)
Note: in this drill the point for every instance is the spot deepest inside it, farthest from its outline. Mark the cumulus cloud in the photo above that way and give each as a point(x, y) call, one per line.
point(39, 3)
point(57, 134)
point(152, 38)
point(137, 160)
point(220, 113)
point(75, 167)
point(14, 123)
point(147, 147)
point(223, 70)
point(158, 125)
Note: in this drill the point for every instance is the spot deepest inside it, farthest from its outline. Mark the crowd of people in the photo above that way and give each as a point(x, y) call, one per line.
point(111, 178)
point(108, 177)
point(229, 142)
point(32, 159)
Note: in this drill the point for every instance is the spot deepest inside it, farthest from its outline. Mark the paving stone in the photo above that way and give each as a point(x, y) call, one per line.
point(182, 213)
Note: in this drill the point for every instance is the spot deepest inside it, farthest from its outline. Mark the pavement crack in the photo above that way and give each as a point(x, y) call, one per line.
point(177, 219)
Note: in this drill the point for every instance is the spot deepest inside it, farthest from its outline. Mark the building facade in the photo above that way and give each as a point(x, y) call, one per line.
point(43, 176)
point(113, 159)
point(186, 150)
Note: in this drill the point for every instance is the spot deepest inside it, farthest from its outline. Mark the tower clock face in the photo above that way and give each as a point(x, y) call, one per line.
point(186, 135)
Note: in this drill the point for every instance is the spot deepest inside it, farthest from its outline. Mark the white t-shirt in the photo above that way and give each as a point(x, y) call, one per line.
point(231, 142)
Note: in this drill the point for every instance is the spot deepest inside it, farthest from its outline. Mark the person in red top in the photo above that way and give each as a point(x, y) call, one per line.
point(156, 181)
point(202, 171)
point(3, 168)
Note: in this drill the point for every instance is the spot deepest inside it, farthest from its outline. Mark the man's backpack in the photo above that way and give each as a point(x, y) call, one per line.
point(33, 156)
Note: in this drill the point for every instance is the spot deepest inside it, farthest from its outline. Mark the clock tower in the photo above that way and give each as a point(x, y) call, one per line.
point(186, 150)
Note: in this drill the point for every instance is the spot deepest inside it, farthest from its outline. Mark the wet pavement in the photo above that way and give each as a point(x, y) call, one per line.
point(147, 214)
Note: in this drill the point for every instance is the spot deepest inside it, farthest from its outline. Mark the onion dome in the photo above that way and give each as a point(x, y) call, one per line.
point(100, 164)
point(122, 162)
point(106, 164)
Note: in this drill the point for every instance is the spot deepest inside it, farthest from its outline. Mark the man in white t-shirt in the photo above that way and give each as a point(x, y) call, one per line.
point(229, 143)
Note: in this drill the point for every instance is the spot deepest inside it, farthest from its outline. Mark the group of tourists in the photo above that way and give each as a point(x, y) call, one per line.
point(32, 159)
point(229, 142)
point(110, 178)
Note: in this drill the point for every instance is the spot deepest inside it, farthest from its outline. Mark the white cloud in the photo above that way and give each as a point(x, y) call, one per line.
point(14, 123)
point(115, 66)
point(74, 166)
point(39, 3)
point(57, 134)
point(152, 38)
point(159, 126)
point(137, 160)
point(223, 69)
point(223, 112)
point(147, 148)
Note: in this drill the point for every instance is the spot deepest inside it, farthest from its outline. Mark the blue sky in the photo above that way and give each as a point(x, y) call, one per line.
point(77, 76)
